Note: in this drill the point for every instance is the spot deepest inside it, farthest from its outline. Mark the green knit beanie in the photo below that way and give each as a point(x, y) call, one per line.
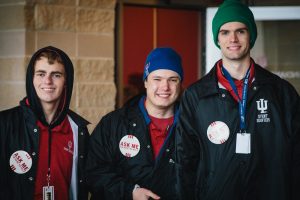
point(234, 11)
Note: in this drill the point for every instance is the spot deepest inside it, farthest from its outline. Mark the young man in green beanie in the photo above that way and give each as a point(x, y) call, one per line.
point(238, 131)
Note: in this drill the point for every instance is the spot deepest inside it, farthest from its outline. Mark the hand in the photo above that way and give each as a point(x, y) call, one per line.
point(143, 194)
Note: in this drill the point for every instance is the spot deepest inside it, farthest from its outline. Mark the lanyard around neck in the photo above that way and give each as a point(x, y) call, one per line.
point(242, 102)
point(49, 155)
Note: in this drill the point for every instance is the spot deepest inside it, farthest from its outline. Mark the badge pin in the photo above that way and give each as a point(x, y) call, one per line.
point(20, 162)
point(218, 132)
point(129, 146)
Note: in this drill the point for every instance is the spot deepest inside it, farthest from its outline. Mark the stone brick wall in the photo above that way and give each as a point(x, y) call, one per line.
point(84, 29)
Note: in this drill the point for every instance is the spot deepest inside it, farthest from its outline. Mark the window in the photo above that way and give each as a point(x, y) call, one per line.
point(277, 47)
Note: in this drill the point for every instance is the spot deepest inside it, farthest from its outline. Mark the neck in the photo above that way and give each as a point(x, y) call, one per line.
point(49, 111)
point(160, 113)
point(237, 69)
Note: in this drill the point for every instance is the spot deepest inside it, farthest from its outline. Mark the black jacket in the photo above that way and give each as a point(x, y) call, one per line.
point(111, 175)
point(209, 171)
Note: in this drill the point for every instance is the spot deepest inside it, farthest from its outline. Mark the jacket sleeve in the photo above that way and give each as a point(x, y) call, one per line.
point(187, 149)
point(292, 112)
point(3, 159)
point(103, 175)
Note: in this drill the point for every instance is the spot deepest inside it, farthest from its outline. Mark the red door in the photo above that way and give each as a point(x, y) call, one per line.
point(145, 28)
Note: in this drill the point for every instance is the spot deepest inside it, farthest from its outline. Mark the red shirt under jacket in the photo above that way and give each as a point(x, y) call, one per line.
point(159, 129)
point(61, 160)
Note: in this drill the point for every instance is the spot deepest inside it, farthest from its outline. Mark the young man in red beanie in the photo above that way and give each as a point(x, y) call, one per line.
point(132, 149)
point(238, 131)
point(43, 143)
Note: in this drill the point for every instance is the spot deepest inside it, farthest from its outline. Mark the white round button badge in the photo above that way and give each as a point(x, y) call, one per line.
point(129, 146)
point(20, 162)
point(218, 132)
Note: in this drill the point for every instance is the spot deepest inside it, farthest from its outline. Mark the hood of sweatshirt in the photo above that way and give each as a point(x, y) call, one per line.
point(32, 97)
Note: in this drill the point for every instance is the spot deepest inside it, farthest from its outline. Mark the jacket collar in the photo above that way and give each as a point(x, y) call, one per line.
point(147, 117)
point(80, 121)
point(208, 85)
point(31, 118)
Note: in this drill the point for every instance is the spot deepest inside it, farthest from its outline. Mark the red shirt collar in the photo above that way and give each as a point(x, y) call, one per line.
point(61, 128)
point(239, 83)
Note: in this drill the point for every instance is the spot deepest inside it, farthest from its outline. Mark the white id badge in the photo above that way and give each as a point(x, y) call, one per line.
point(48, 193)
point(243, 143)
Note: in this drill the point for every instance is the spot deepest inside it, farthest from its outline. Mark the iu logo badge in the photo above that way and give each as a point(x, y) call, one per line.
point(262, 107)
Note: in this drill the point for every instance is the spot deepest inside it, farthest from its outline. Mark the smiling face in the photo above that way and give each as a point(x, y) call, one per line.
point(49, 81)
point(163, 88)
point(234, 41)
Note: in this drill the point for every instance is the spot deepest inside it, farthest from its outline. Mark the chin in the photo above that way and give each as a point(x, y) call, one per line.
point(166, 105)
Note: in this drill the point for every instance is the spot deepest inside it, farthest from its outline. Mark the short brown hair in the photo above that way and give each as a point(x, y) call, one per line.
point(51, 55)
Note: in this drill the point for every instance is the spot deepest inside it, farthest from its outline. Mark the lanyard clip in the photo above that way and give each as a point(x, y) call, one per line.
point(243, 131)
point(48, 179)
